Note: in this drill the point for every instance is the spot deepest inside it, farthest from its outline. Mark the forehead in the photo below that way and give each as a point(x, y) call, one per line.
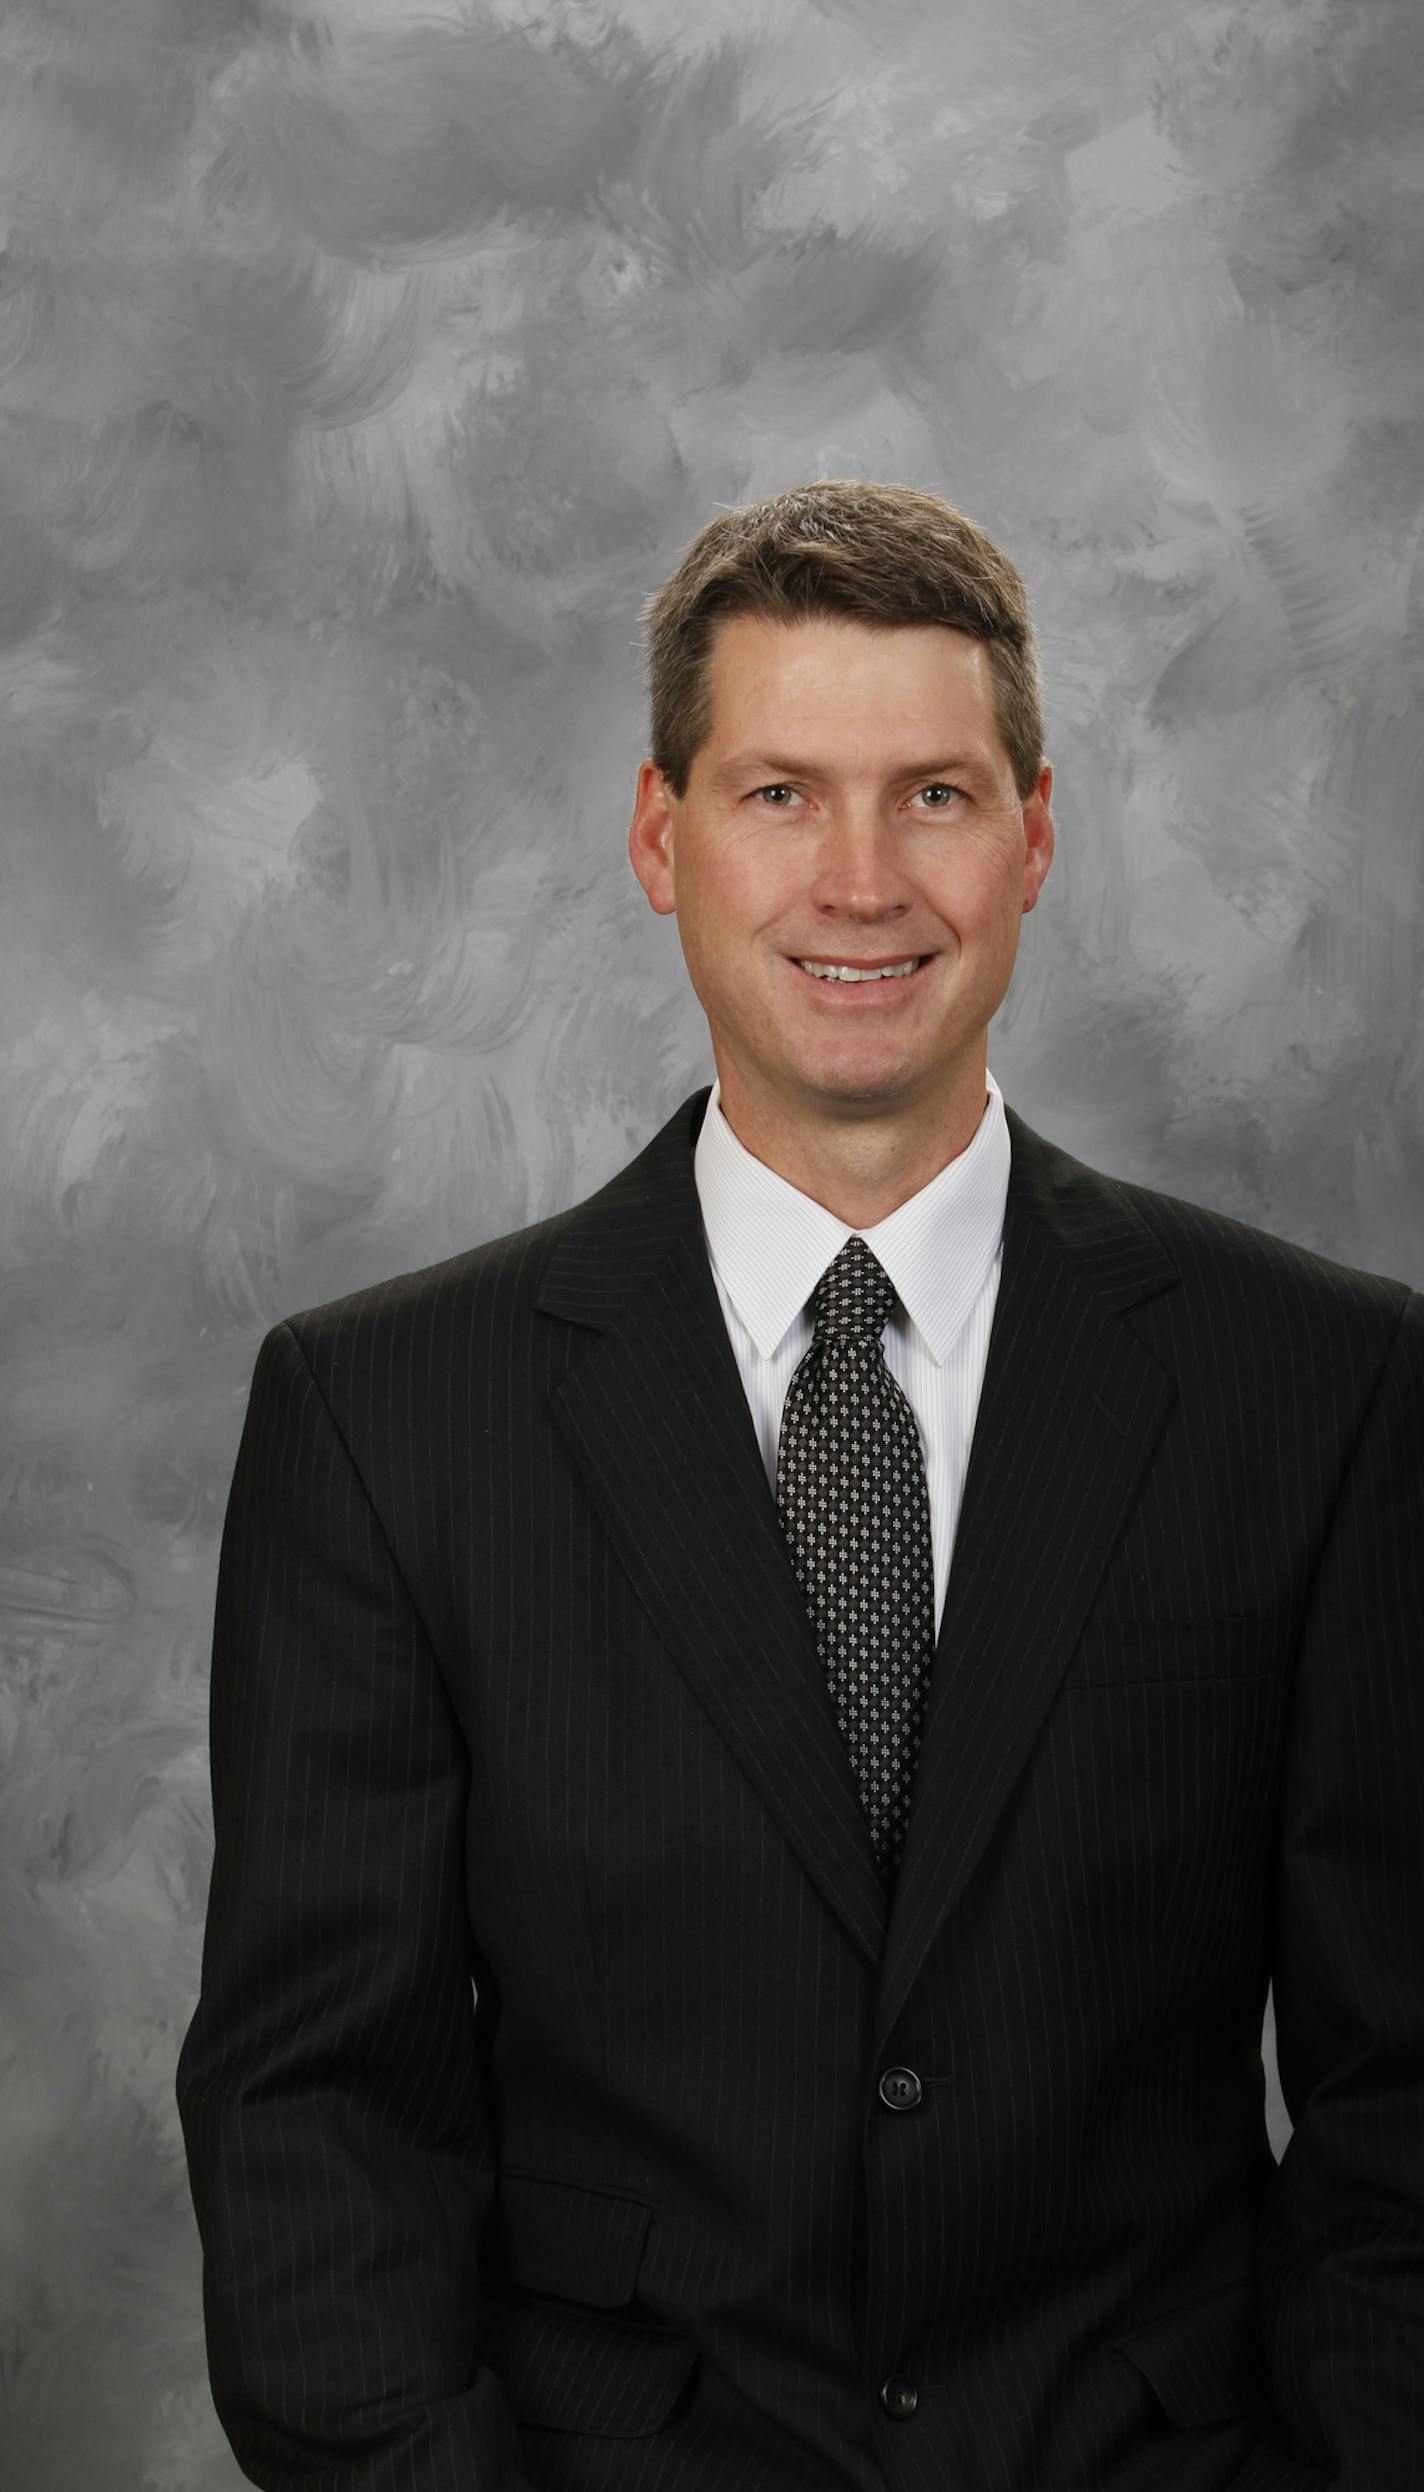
point(847, 684)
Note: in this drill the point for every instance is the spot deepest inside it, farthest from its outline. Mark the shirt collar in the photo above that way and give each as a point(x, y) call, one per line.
point(770, 1243)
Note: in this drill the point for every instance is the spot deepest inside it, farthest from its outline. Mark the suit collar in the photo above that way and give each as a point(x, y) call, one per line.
point(607, 1247)
point(655, 1418)
point(1092, 1220)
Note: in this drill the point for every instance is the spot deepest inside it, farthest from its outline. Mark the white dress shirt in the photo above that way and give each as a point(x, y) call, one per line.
point(770, 1243)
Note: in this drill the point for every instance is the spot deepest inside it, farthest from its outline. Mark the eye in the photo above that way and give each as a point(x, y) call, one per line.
point(778, 795)
point(939, 794)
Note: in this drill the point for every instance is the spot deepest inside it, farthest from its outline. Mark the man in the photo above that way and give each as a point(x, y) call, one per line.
point(869, 1856)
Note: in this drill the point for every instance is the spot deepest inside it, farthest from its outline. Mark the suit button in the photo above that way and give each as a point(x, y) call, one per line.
point(900, 2089)
point(899, 2398)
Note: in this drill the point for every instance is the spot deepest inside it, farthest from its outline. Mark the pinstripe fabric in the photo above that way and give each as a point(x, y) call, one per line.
point(512, 1681)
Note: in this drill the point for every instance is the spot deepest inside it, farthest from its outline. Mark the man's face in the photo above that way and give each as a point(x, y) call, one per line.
point(853, 807)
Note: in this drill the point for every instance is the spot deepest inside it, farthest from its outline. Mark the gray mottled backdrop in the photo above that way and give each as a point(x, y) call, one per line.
point(363, 366)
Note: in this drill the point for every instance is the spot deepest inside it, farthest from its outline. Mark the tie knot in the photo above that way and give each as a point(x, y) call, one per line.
point(854, 1296)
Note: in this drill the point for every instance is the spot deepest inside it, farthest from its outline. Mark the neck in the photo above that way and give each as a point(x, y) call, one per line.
point(860, 1167)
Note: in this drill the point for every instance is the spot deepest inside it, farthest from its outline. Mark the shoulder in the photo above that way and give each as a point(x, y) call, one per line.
point(1213, 1244)
point(506, 1303)
point(1223, 1270)
point(447, 1352)
point(439, 1311)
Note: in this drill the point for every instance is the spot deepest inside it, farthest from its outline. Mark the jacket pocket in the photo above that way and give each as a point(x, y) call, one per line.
point(558, 2237)
point(568, 2346)
point(1205, 2362)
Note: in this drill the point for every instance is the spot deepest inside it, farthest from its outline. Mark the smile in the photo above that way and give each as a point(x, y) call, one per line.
point(850, 975)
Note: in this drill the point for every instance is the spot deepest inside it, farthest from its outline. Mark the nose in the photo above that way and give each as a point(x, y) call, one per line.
point(860, 869)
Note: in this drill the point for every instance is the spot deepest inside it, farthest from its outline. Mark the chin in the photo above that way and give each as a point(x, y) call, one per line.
point(864, 1086)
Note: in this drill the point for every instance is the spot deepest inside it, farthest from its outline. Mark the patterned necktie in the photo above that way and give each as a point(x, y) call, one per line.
point(851, 1493)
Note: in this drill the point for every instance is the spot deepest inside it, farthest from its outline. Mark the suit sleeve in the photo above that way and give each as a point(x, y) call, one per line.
point(1342, 2254)
point(337, 2143)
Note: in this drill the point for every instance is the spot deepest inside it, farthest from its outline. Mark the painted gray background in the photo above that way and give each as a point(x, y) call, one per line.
point(363, 367)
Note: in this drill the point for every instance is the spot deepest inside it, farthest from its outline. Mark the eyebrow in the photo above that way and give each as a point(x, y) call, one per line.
point(774, 767)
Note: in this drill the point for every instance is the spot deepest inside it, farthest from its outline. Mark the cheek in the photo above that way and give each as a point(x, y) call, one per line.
point(736, 899)
point(981, 895)
point(715, 933)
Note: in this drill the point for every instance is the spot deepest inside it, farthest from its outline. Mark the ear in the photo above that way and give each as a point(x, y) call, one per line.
point(650, 838)
point(1038, 836)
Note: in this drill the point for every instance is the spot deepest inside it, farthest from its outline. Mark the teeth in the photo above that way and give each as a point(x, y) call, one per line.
point(835, 969)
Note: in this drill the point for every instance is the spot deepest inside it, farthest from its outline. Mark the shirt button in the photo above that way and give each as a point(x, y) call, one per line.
point(900, 2089)
point(899, 2398)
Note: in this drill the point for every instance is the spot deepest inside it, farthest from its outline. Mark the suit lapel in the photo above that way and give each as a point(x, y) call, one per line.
point(656, 1418)
point(1071, 1408)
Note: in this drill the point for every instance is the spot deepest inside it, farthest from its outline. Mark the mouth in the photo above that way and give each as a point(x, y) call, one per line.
point(863, 979)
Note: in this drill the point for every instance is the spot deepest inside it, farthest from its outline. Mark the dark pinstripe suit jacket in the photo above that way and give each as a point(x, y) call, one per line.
point(512, 1681)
